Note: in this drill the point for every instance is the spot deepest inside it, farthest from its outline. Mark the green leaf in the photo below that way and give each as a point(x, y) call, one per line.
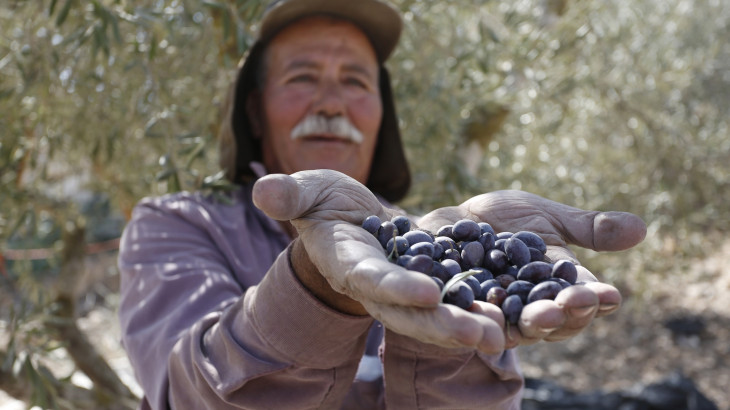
point(153, 48)
point(63, 14)
point(164, 174)
point(214, 4)
point(457, 278)
point(52, 7)
point(196, 152)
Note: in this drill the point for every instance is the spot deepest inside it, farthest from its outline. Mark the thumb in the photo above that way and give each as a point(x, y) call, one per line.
point(319, 194)
point(617, 231)
point(599, 231)
point(277, 195)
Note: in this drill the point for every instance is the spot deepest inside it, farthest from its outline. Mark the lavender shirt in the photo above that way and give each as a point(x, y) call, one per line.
point(213, 317)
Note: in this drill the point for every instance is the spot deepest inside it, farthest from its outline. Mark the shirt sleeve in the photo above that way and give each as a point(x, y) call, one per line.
point(421, 375)
point(197, 340)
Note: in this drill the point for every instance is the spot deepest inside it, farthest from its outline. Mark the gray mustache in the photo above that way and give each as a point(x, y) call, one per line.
point(318, 124)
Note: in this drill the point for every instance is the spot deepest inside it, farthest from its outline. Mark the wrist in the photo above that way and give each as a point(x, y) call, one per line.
point(310, 277)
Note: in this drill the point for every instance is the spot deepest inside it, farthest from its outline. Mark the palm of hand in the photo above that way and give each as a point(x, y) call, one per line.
point(327, 208)
point(559, 225)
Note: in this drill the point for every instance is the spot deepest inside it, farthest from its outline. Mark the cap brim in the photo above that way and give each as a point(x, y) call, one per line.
point(380, 21)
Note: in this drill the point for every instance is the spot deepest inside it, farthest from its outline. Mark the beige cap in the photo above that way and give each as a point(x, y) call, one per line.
point(380, 21)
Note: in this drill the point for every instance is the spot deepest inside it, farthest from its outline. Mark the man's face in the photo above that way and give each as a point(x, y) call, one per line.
point(318, 66)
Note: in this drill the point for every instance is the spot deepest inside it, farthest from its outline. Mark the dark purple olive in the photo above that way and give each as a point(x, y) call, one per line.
point(520, 288)
point(495, 261)
point(544, 290)
point(536, 255)
point(459, 294)
point(472, 255)
point(565, 269)
point(387, 232)
point(402, 223)
point(439, 271)
point(487, 240)
point(504, 235)
point(452, 254)
point(372, 224)
point(438, 251)
point(399, 243)
point(505, 280)
point(486, 285)
point(562, 282)
point(517, 252)
point(535, 272)
point(420, 263)
point(486, 228)
point(482, 275)
point(421, 248)
point(445, 242)
point(475, 286)
point(451, 266)
point(466, 230)
point(532, 240)
point(446, 231)
point(496, 296)
point(512, 309)
point(417, 236)
point(403, 260)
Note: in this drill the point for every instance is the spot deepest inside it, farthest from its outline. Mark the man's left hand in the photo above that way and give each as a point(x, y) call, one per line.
point(559, 225)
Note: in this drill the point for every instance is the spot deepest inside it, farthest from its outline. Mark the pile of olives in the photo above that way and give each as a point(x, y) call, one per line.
point(470, 261)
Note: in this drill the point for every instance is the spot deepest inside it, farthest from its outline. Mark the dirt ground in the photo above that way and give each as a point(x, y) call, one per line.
point(683, 325)
point(678, 325)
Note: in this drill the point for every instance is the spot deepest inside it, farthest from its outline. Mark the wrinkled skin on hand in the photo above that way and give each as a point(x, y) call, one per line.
point(559, 225)
point(345, 266)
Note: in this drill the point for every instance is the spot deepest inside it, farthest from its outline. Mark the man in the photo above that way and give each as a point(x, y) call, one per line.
point(271, 302)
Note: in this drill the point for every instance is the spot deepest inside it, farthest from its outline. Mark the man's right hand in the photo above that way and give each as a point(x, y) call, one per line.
point(346, 268)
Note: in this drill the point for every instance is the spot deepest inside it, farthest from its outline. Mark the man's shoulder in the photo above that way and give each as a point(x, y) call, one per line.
point(185, 202)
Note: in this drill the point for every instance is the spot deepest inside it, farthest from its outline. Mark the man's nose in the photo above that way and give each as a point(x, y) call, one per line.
point(329, 100)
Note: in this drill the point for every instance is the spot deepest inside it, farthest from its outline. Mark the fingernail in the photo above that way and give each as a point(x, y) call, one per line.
point(606, 307)
point(582, 311)
point(548, 329)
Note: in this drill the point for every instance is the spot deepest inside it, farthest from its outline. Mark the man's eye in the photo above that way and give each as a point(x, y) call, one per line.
point(302, 78)
point(356, 82)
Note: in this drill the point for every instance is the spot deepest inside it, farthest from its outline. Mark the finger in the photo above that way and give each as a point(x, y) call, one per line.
point(287, 197)
point(446, 325)
point(513, 337)
point(379, 281)
point(539, 319)
point(584, 275)
point(489, 310)
point(579, 305)
point(600, 231)
point(609, 298)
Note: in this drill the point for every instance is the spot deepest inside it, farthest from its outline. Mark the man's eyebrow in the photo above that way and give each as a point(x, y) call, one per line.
point(359, 68)
point(352, 67)
point(301, 64)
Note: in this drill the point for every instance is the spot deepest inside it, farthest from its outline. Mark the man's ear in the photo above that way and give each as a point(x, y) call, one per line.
point(254, 113)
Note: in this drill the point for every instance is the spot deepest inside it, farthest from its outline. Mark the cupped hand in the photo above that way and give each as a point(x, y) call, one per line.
point(345, 266)
point(559, 225)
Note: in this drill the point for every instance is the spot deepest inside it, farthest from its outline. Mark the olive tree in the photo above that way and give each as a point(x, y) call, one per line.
point(603, 105)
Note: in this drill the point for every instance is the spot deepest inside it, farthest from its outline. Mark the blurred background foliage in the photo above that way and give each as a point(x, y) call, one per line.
point(602, 105)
